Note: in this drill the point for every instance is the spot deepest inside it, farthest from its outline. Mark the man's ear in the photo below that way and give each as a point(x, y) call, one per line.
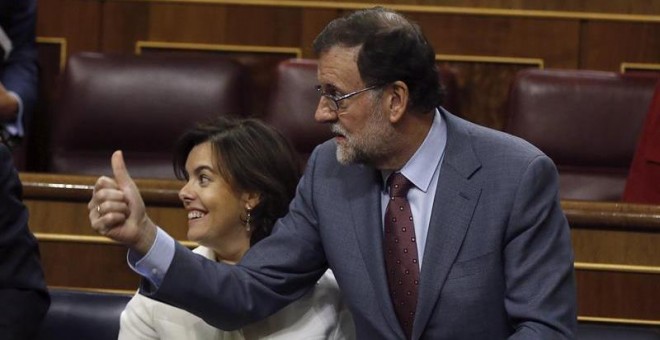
point(397, 100)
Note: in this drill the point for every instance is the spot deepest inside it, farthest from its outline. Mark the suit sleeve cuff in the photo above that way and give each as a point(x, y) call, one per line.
point(15, 128)
point(156, 262)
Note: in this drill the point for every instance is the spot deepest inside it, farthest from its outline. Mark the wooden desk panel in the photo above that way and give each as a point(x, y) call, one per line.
point(616, 245)
point(620, 295)
point(58, 203)
point(87, 265)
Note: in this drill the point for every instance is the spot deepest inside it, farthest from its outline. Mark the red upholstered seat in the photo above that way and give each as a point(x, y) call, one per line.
point(292, 104)
point(588, 122)
point(643, 183)
point(140, 104)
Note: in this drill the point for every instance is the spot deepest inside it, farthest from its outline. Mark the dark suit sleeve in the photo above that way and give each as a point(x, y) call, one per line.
point(23, 296)
point(19, 73)
point(540, 284)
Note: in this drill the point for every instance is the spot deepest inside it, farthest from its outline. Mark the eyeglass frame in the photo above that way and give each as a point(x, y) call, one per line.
point(336, 100)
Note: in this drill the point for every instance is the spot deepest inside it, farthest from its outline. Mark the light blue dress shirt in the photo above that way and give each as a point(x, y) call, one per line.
point(422, 170)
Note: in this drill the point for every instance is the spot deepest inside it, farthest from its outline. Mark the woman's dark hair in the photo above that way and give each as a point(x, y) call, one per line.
point(393, 48)
point(252, 157)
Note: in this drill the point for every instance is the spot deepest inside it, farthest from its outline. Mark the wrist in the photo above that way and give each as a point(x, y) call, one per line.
point(147, 238)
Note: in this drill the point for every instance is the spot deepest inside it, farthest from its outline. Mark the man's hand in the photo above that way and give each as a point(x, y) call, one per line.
point(117, 210)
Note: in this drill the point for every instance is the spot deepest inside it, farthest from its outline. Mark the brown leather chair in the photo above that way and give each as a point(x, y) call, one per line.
point(294, 99)
point(292, 104)
point(140, 104)
point(588, 122)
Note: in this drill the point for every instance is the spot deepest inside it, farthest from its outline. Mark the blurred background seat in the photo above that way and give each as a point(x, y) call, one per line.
point(139, 104)
point(76, 314)
point(610, 331)
point(293, 101)
point(588, 122)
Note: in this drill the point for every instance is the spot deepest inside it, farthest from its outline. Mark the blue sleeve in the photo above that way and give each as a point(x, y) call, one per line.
point(19, 72)
point(156, 262)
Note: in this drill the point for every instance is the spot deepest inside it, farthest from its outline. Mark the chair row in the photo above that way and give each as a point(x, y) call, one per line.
point(77, 314)
point(141, 104)
point(588, 122)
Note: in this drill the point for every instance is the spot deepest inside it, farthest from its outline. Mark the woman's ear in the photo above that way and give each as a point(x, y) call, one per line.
point(251, 199)
point(398, 101)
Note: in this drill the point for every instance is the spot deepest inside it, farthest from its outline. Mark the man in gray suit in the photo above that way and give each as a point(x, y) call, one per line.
point(483, 225)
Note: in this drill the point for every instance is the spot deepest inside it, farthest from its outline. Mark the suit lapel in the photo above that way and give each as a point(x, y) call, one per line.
point(453, 206)
point(363, 190)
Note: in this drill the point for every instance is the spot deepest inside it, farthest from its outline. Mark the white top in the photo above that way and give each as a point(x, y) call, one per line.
point(320, 314)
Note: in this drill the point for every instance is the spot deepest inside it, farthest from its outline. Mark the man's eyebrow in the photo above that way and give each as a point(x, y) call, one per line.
point(330, 89)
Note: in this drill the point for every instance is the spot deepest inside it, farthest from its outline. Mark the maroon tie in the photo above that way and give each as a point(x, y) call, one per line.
point(401, 252)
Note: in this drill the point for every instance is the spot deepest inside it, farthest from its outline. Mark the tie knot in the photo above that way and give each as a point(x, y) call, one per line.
point(398, 184)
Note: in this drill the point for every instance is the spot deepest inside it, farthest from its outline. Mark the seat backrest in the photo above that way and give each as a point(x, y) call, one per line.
point(140, 104)
point(588, 122)
point(292, 104)
point(294, 99)
point(77, 314)
point(607, 331)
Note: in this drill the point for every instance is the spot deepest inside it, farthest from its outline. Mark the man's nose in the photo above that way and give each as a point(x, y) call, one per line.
point(323, 113)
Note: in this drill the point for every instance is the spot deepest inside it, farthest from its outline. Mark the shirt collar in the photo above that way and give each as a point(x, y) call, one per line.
point(420, 167)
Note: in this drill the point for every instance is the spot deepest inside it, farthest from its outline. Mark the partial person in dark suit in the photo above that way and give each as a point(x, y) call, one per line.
point(18, 67)
point(24, 299)
point(479, 241)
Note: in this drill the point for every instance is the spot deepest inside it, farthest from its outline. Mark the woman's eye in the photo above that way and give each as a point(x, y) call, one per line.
point(203, 179)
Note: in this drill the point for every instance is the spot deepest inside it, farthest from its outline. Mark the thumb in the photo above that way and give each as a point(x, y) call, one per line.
point(119, 170)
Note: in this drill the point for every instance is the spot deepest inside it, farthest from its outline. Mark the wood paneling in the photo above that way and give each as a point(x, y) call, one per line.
point(616, 245)
point(78, 21)
point(555, 41)
point(58, 203)
point(638, 7)
point(589, 35)
point(618, 295)
point(124, 24)
point(87, 265)
point(481, 96)
point(605, 45)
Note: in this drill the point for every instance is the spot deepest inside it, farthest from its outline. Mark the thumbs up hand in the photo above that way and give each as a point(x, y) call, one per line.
point(117, 210)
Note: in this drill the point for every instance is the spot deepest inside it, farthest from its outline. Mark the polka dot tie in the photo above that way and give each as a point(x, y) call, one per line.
point(401, 252)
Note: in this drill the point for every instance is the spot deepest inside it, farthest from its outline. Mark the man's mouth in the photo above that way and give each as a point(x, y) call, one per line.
point(338, 132)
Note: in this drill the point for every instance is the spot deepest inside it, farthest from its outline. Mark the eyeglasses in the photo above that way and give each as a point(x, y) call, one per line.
point(333, 102)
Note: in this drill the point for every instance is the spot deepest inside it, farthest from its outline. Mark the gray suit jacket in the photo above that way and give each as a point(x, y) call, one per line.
point(498, 261)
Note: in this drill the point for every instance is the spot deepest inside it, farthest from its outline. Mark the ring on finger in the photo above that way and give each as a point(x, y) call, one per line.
point(98, 209)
